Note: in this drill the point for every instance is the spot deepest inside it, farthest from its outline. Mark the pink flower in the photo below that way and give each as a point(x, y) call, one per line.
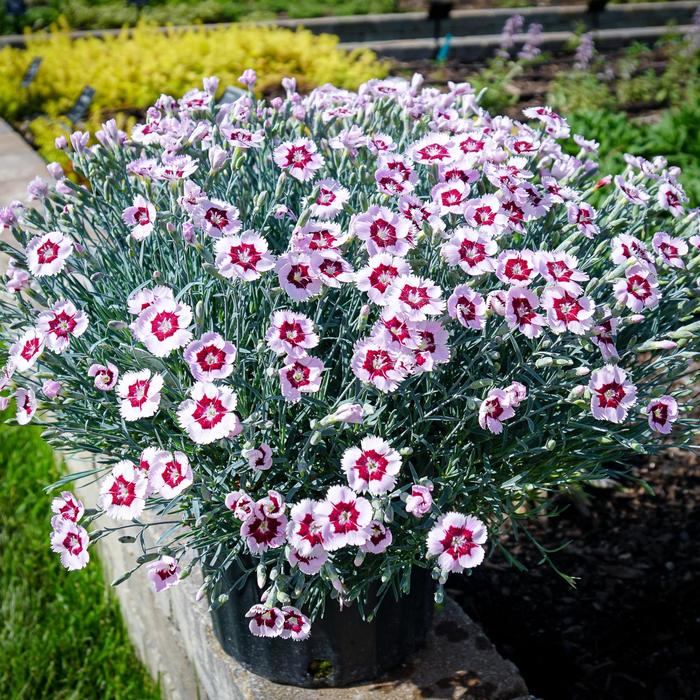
point(382, 231)
point(217, 218)
point(516, 267)
point(105, 376)
point(265, 621)
point(420, 500)
point(456, 540)
point(123, 492)
point(140, 299)
point(345, 516)
point(626, 247)
point(485, 214)
point(371, 467)
point(163, 327)
point(47, 254)
point(472, 250)
point(611, 394)
point(263, 532)
point(66, 508)
point(434, 148)
point(25, 401)
point(140, 394)
point(309, 564)
point(468, 307)
point(176, 167)
point(554, 124)
point(376, 364)
point(243, 138)
point(208, 415)
point(164, 573)
point(140, 218)
point(211, 357)
point(248, 78)
point(305, 531)
point(604, 337)
point(520, 312)
point(26, 351)
point(300, 374)
point(670, 249)
point(415, 297)
point(583, 216)
point(51, 389)
point(567, 312)
point(330, 200)
point(296, 625)
point(449, 196)
point(61, 323)
point(516, 393)
point(260, 458)
point(428, 342)
point(290, 331)
point(240, 504)
point(332, 269)
point(662, 413)
point(560, 269)
point(71, 542)
point(671, 198)
point(376, 278)
point(495, 409)
point(634, 195)
point(318, 236)
point(379, 539)
point(299, 158)
point(297, 276)
point(17, 278)
point(170, 473)
point(346, 413)
point(245, 256)
point(639, 289)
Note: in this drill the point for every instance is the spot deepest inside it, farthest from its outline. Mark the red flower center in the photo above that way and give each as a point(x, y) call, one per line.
point(47, 252)
point(211, 358)
point(209, 412)
point(244, 255)
point(123, 492)
point(164, 325)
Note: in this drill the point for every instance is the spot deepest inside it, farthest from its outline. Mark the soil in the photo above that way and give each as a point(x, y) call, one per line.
point(630, 628)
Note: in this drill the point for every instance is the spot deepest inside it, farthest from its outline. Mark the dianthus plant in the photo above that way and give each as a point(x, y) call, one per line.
point(330, 338)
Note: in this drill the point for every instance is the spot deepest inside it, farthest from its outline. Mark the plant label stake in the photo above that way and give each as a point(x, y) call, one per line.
point(79, 110)
point(30, 74)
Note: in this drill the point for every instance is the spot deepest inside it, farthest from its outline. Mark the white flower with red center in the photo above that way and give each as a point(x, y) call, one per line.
point(105, 376)
point(262, 531)
point(164, 573)
point(330, 200)
point(603, 336)
point(371, 467)
point(377, 277)
point(379, 540)
point(374, 363)
point(468, 307)
point(415, 297)
point(265, 621)
point(391, 182)
point(297, 276)
point(217, 218)
point(382, 231)
point(449, 196)
point(671, 198)
point(259, 458)
point(420, 501)
point(554, 124)
point(170, 473)
point(566, 311)
point(399, 166)
point(25, 401)
point(472, 250)
point(485, 214)
point(299, 158)
point(662, 413)
point(243, 138)
point(240, 504)
point(392, 329)
point(634, 195)
point(163, 327)
point(345, 517)
point(560, 269)
point(61, 323)
point(211, 357)
point(273, 504)
point(305, 530)
point(245, 256)
point(419, 214)
point(428, 342)
point(495, 409)
point(521, 312)
point(309, 564)
point(123, 492)
point(318, 236)
point(296, 625)
point(583, 216)
point(176, 167)
point(47, 254)
point(290, 331)
point(66, 507)
point(516, 267)
point(517, 393)
point(670, 249)
point(301, 374)
point(71, 542)
point(381, 143)
point(470, 145)
point(140, 299)
point(431, 149)
point(331, 268)
point(612, 395)
point(140, 394)
point(626, 247)
point(457, 541)
point(208, 415)
point(27, 349)
point(140, 218)
point(639, 289)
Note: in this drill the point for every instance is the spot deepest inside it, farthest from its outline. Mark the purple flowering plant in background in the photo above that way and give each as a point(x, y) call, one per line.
point(329, 338)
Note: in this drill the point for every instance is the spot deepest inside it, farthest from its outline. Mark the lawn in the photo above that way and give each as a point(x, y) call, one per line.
point(61, 634)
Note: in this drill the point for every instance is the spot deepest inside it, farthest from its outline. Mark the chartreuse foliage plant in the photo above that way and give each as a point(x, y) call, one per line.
point(343, 335)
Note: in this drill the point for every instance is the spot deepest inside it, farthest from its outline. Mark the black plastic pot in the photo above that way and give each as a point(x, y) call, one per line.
point(342, 647)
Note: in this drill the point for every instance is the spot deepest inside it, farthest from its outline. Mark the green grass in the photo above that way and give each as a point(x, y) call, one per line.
point(61, 633)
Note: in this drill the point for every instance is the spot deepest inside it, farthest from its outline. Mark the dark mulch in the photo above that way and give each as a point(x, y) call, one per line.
point(630, 629)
